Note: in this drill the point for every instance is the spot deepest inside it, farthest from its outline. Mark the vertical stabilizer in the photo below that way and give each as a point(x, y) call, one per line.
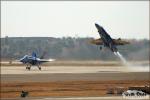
point(34, 54)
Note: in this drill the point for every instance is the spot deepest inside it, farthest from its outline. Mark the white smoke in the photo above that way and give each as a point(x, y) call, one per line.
point(121, 57)
point(130, 66)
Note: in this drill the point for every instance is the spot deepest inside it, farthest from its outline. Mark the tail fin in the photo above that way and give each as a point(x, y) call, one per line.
point(34, 54)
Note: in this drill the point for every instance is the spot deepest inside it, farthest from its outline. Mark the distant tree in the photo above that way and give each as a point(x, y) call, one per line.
point(70, 48)
point(6, 40)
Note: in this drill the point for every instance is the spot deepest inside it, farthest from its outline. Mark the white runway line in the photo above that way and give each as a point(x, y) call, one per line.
point(83, 98)
point(91, 98)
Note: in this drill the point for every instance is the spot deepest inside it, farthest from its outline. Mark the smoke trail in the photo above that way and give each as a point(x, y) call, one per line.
point(115, 53)
point(130, 66)
point(121, 57)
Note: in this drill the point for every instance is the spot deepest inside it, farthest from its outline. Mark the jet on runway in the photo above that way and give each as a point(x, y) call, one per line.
point(106, 40)
point(33, 61)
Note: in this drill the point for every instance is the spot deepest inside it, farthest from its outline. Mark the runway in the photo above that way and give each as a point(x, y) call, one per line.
point(62, 73)
point(70, 82)
point(72, 69)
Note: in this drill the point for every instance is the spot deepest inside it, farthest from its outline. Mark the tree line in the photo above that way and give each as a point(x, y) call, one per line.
point(68, 48)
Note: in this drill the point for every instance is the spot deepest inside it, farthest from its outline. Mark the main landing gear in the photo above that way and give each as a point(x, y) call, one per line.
point(28, 67)
point(39, 67)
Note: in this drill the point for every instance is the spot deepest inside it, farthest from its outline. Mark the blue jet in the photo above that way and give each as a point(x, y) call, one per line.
point(107, 41)
point(33, 61)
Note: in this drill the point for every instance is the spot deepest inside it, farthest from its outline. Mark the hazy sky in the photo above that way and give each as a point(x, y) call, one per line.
point(125, 19)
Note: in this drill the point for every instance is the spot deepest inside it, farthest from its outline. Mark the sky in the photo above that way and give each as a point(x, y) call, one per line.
point(121, 19)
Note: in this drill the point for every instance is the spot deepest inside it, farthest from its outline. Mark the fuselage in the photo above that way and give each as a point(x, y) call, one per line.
point(30, 60)
point(107, 40)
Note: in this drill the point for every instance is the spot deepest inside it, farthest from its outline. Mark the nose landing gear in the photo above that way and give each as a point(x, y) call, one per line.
point(39, 68)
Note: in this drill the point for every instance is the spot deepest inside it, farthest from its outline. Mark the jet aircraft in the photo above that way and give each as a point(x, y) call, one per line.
point(107, 41)
point(33, 61)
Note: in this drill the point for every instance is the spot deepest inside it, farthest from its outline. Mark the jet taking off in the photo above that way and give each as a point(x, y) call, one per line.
point(106, 40)
point(33, 61)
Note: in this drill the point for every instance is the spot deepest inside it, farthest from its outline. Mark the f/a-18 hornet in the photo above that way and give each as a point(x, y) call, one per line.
point(107, 41)
point(33, 61)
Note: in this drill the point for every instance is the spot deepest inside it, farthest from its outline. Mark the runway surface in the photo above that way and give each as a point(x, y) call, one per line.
point(80, 82)
point(72, 69)
point(62, 73)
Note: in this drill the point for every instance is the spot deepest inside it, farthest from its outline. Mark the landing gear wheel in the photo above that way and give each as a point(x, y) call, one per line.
point(39, 68)
point(28, 68)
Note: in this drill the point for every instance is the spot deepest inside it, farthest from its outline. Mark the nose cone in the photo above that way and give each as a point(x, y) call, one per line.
point(23, 59)
point(97, 26)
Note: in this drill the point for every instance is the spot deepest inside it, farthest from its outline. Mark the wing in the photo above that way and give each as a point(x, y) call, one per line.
point(97, 41)
point(120, 41)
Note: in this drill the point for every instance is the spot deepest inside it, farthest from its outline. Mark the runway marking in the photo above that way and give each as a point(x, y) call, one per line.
point(87, 98)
